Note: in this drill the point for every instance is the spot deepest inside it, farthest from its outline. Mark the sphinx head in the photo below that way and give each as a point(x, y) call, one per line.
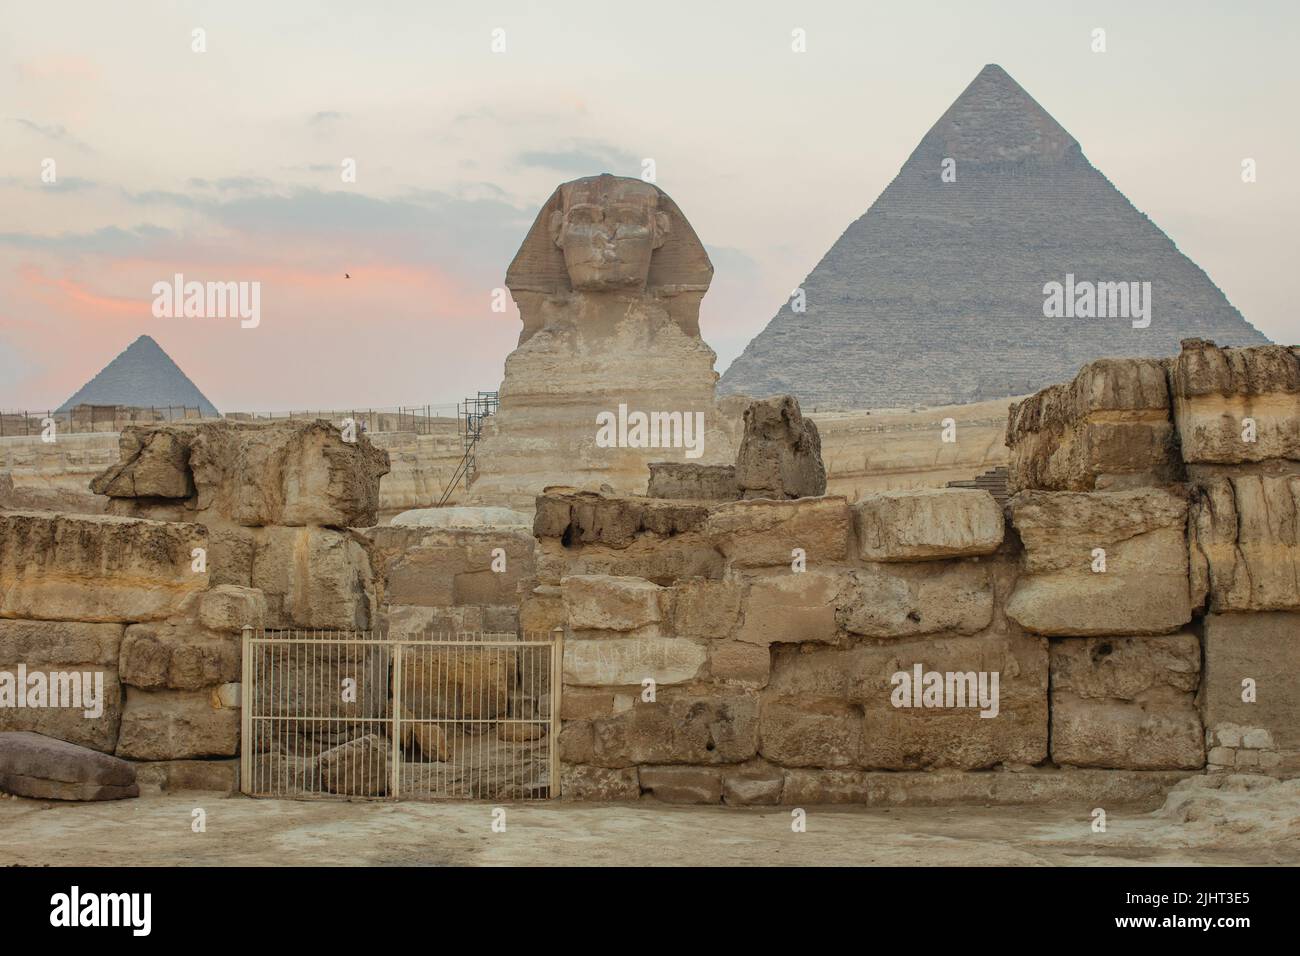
point(608, 228)
point(610, 236)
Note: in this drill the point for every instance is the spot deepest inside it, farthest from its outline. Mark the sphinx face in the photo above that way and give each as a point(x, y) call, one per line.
point(608, 232)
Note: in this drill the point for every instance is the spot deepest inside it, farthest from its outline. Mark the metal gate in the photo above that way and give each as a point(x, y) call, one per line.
point(357, 714)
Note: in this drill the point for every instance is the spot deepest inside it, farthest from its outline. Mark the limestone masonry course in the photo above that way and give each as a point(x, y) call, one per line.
point(1137, 599)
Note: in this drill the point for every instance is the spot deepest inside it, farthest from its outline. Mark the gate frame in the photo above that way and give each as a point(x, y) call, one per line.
point(555, 641)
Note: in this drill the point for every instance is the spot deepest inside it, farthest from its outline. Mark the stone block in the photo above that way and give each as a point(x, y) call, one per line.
point(679, 727)
point(851, 702)
point(178, 724)
point(707, 610)
point(741, 663)
point(1264, 650)
point(755, 784)
point(682, 784)
point(780, 453)
point(624, 661)
point(1107, 429)
point(42, 768)
point(295, 473)
point(1245, 542)
point(1216, 389)
point(926, 523)
point(764, 533)
point(178, 656)
point(1127, 702)
point(692, 482)
point(788, 607)
point(909, 600)
point(228, 607)
point(96, 568)
point(599, 602)
point(62, 662)
point(598, 784)
point(613, 521)
point(1144, 588)
point(314, 578)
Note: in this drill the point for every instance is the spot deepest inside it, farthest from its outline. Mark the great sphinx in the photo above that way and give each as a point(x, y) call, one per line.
point(608, 282)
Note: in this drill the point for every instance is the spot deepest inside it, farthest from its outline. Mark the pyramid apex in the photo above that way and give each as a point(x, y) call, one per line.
point(995, 120)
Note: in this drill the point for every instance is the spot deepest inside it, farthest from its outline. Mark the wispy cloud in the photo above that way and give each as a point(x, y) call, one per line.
point(583, 158)
point(53, 132)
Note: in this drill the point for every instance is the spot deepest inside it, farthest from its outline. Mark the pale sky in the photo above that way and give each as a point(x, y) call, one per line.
point(225, 165)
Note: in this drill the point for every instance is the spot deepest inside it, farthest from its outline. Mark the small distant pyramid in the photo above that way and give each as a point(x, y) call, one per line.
point(142, 376)
point(935, 296)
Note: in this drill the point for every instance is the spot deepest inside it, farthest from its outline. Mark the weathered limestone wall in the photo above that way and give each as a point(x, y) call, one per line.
point(253, 532)
point(56, 476)
point(1137, 601)
point(890, 449)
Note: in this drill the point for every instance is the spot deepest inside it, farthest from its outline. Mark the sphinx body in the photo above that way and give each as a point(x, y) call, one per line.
point(608, 283)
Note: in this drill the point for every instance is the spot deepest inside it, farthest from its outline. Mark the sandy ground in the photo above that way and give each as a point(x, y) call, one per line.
point(1250, 821)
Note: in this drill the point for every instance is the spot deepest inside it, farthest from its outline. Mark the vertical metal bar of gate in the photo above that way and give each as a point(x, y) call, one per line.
point(395, 760)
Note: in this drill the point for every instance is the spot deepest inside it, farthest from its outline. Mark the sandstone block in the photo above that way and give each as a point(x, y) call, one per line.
point(228, 607)
point(706, 610)
point(752, 785)
point(661, 560)
point(790, 607)
point(1109, 428)
point(598, 602)
point(187, 776)
point(314, 578)
point(1216, 389)
point(909, 600)
point(590, 518)
point(927, 523)
point(693, 482)
point(1144, 588)
point(781, 453)
point(1127, 702)
point(682, 784)
point(737, 662)
point(96, 568)
point(580, 703)
point(763, 533)
point(814, 733)
point(62, 661)
point(625, 661)
point(1263, 649)
point(177, 724)
point(849, 701)
point(679, 727)
point(178, 656)
point(42, 768)
point(1245, 542)
point(154, 464)
point(295, 473)
point(598, 783)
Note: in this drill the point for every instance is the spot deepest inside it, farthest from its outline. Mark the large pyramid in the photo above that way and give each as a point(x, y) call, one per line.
point(143, 376)
point(936, 294)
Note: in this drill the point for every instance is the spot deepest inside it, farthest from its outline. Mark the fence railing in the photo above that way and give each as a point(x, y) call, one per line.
point(362, 715)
